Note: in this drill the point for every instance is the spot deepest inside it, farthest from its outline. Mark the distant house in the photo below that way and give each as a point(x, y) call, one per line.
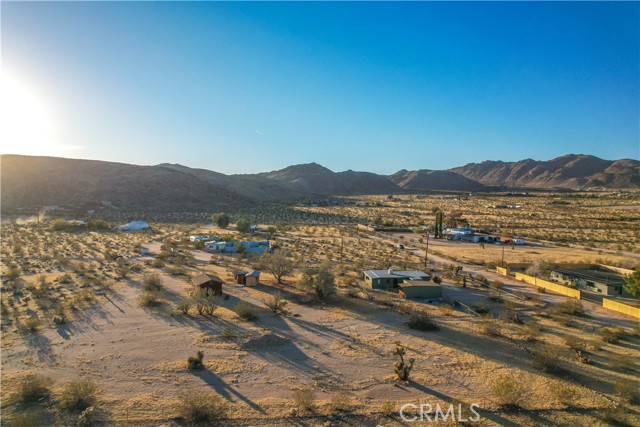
point(251, 278)
point(385, 279)
point(603, 282)
point(133, 226)
point(200, 238)
point(210, 283)
point(421, 289)
point(252, 247)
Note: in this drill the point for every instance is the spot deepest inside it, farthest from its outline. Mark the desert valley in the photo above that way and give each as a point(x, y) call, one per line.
point(298, 311)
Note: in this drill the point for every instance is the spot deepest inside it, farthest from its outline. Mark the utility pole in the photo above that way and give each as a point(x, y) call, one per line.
point(426, 250)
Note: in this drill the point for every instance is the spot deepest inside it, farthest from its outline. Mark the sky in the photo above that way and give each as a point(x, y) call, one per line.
point(254, 87)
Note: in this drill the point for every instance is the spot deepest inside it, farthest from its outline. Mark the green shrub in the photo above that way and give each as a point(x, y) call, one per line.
point(195, 362)
point(421, 321)
point(276, 303)
point(184, 306)
point(201, 407)
point(78, 395)
point(33, 388)
point(509, 392)
point(245, 311)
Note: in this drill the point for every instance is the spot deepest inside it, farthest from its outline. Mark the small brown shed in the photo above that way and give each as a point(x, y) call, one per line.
point(211, 283)
point(240, 277)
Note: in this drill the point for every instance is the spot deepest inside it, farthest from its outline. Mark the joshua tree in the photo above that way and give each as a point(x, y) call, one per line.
point(401, 368)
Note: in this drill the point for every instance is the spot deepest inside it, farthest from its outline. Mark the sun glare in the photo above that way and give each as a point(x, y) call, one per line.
point(25, 123)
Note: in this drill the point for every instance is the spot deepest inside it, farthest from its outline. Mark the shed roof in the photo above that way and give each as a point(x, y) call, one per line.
point(393, 274)
point(203, 279)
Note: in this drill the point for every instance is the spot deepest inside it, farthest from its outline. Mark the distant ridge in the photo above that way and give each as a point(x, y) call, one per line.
point(32, 182)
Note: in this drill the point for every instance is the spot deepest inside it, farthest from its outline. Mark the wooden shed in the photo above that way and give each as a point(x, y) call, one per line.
point(251, 278)
point(211, 283)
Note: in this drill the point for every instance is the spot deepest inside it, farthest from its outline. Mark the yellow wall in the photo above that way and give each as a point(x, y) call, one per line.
point(503, 271)
point(622, 308)
point(554, 287)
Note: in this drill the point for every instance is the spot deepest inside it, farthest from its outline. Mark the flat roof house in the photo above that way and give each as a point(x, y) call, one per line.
point(386, 279)
point(603, 282)
point(421, 289)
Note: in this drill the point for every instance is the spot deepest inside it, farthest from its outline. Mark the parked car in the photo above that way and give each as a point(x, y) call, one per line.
point(400, 246)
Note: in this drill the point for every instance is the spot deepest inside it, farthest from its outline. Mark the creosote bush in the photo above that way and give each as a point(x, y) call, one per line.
point(78, 395)
point(245, 311)
point(33, 388)
point(201, 407)
point(304, 398)
point(421, 321)
point(611, 334)
point(276, 303)
point(509, 392)
point(152, 281)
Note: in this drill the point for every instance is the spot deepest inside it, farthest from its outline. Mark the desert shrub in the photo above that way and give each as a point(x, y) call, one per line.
point(387, 408)
point(276, 303)
point(563, 393)
point(509, 392)
point(184, 306)
point(628, 390)
point(150, 298)
point(195, 362)
point(59, 315)
point(575, 343)
point(546, 359)
point(66, 278)
point(490, 327)
point(152, 281)
point(437, 279)
point(177, 270)
point(13, 273)
point(201, 407)
point(572, 307)
point(304, 398)
point(611, 334)
point(30, 325)
point(33, 388)
point(622, 362)
point(341, 402)
point(496, 284)
point(481, 308)
point(29, 418)
point(495, 296)
point(86, 417)
point(421, 321)
point(228, 334)
point(245, 311)
point(78, 395)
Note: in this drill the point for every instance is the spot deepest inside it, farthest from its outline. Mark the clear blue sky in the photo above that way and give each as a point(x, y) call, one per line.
point(251, 87)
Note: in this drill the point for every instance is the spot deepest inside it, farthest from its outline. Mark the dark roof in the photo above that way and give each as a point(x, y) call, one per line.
point(203, 279)
point(241, 272)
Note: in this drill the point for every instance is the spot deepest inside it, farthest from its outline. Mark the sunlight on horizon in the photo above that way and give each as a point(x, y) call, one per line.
point(26, 122)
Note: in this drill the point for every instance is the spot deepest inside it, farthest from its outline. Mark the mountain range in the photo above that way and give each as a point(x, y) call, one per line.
point(33, 182)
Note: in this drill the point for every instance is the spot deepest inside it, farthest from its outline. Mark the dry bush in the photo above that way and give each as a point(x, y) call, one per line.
point(388, 408)
point(276, 303)
point(490, 327)
point(509, 392)
point(33, 388)
point(201, 407)
point(628, 390)
point(547, 359)
point(341, 402)
point(30, 325)
point(150, 298)
point(563, 393)
point(304, 398)
point(572, 307)
point(152, 281)
point(78, 395)
point(611, 334)
point(421, 321)
point(245, 311)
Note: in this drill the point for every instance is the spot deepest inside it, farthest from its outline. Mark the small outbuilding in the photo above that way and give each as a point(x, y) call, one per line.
point(210, 283)
point(251, 278)
point(421, 289)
